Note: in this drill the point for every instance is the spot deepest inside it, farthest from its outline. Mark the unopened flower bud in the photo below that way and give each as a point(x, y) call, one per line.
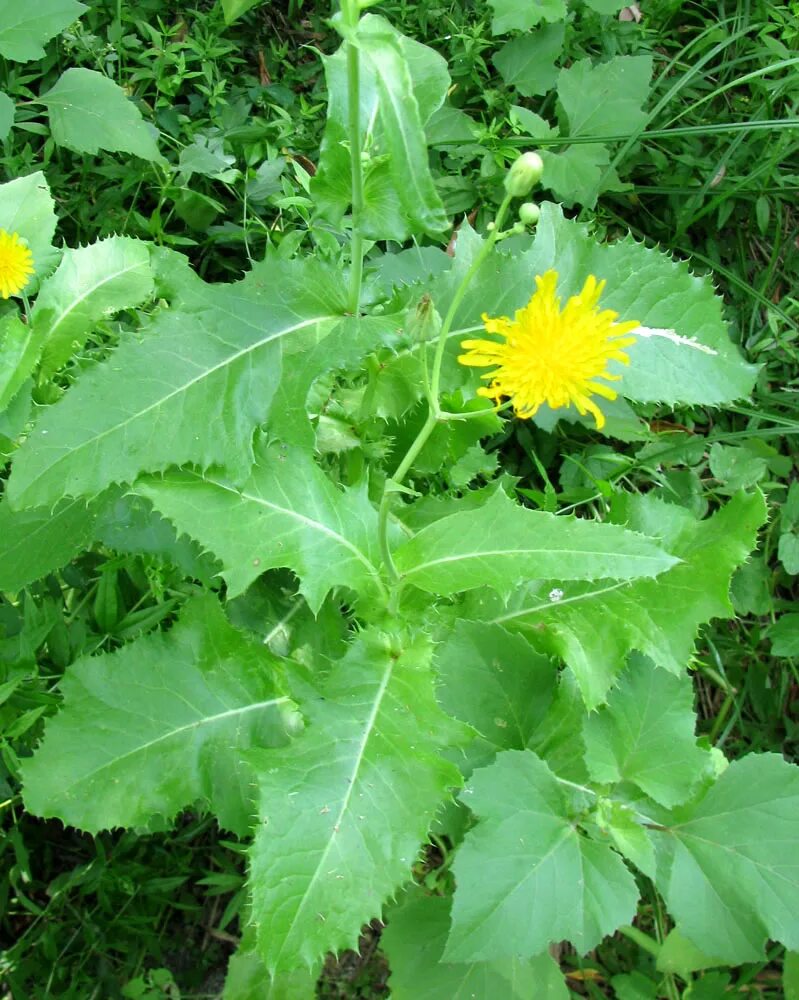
point(422, 322)
point(523, 174)
point(529, 213)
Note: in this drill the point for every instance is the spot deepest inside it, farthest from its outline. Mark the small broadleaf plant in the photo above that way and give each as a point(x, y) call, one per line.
point(451, 662)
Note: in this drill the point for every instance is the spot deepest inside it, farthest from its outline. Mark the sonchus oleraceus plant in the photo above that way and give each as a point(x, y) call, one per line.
point(427, 661)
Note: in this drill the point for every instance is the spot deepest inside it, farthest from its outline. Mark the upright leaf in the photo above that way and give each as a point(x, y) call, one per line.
point(344, 810)
point(89, 112)
point(414, 941)
point(19, 353)
point(522, 15)
point(594, 627)
point(526, 876)
point(24, 28)
point(287, 513)
point(159, 725)
point(233, 9)
point(191, 389)
point(645, 734)
point(727, 863)
point(90, 282)
point(500, 543)
point(402, 83)
point(7, 113)
point(36, 542)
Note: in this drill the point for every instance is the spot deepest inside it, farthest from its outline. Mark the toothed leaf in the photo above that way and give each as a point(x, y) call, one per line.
point(345, 809)
point(159, 725)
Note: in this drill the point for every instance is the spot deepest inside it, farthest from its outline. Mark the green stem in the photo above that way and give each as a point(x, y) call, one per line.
point(350, 13)
point(434, 414)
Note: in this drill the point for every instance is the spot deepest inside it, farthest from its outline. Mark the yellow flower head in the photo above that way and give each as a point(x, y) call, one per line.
point(16, 264)
point(552, 355)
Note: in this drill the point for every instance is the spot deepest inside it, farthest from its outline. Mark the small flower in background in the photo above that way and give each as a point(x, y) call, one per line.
point(16, 264)
point(552, 355)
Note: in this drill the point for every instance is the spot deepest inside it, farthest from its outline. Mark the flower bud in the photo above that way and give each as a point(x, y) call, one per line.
point(529, 213)
point(422, 322)
point(523, 174)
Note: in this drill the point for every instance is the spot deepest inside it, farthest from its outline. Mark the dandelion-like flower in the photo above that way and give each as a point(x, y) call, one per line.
point(553, 355)
point(16, 264)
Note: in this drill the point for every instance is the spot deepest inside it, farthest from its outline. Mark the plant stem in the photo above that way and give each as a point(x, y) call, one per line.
point(434, 413)
point(350, 13)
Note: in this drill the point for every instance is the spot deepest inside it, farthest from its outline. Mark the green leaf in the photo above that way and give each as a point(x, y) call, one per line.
point(594, 627)
point(7, 112)
point(18, 355)
point(402, 83)
point(90, 283)
point(159, 725)
point(790, 975)
point(247, 978)
point(645, 734)
point(574, 173)
point(736, 468)
point(678, 956)
point(605, 100)
point(287, 513)
point(495, 682)
point(526, 876)
point(233, 9)
point(646, 286)
point(727, 863)
point(414, 940)
point(36, 542)
point(25, 28)
point(605, 6)
point(501, 542)
point(89, 112)
point(27, 208)
point(345, 808)
point(784, 635)
point(788, 552)
point(521, 15)
point(527, 62)
point(213, 362)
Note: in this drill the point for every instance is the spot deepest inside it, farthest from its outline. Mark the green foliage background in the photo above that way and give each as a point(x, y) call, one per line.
point(194, 408)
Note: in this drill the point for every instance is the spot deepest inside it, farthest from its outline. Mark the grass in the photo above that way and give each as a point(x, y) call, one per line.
point(715, 175)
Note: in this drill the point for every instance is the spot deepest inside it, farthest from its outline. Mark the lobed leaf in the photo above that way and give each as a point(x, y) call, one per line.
point(526, 876)
point(344, 810)
point(593, 628)
point(727, 863)
point(192, 389)
point(646, 734)
point(605, 100)
point(500, 543)
point(287, 513)
point(159, 725)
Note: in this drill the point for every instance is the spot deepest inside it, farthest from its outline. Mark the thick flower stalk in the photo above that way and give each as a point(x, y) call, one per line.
point(16, 264)
point(552, 355)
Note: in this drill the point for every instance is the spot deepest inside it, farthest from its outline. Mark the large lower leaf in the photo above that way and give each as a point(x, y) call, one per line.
point(344, 810)
point(525, 875)
point(91, 282)
point(159, 725)
point(191, 389)
point(287, 513)
point(727, 864)
point(414, 941)
point(500, 543)
point(593, 627)
point(605, 100)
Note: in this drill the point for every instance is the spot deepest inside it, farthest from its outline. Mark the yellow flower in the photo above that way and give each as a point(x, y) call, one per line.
point(552, 355)
point(16, 264)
